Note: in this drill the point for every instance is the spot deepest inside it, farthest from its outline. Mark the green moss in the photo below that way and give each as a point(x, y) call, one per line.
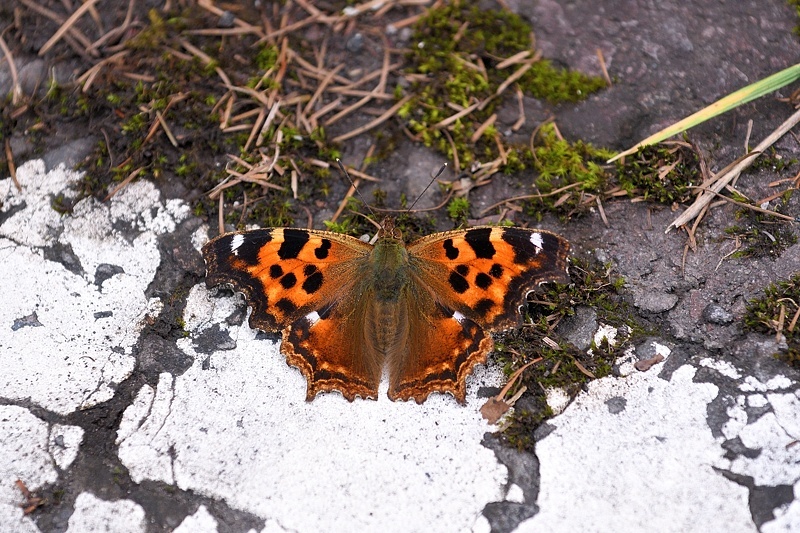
point(759, 235)
point(563, 365)
point(579, 166)
point(661, 173)
point(458, 210)
point(772, 161)
point(763, 315)
point(796, 5)
point(458, 48)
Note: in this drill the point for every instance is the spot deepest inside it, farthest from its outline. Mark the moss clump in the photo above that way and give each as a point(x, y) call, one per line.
point(458, 210)
point(577, 167)
point(759, 235)
point(661, 173)
point(458, 48)
point(563, 365)
point(778, 311)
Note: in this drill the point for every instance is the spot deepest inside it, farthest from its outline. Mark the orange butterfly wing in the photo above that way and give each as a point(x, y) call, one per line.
point(468, 283)
point(306, 284)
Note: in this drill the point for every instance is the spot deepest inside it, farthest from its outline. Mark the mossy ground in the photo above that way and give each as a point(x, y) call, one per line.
point(777, 313)
point(563, 365)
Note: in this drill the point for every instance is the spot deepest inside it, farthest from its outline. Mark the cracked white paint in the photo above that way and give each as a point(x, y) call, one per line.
point(773, 433)
point(787, 517)
point(199, 522)
point(63, 444)
point(723, 367)
point(76, 356)
point(647, 468)
point(242, 431)
point(24, 456)
point(93, 514)
point(139, 437)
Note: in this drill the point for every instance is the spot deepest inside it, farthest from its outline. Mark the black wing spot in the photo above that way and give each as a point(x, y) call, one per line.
point(463, 270)
point(483, 306)
point(313, 282)
point(478, 240)
point(458, 283)
point(293, 241)
point(496, 271)
point(483, 281)
point(250, 247)
point(449, 250)
point(308, 270)
point(286, 306)
point(275, 271)
point(322, 251)
point(288, 281)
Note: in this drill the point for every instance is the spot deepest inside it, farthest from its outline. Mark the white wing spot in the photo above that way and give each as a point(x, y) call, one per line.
point(312, 317)
point(236, 242)
point(458, 316)
point(536, 241)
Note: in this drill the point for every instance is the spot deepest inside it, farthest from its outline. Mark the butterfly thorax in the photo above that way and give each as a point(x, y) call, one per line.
point(389, 268)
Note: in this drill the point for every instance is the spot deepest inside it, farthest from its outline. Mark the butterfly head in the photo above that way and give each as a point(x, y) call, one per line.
point(389, 230)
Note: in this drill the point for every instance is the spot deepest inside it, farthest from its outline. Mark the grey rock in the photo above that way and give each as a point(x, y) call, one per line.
point(655, 302)
point(579, 328)
point(715, 314)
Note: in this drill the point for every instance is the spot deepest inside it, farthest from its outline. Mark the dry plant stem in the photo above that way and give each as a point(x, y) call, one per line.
point(220, 216)
point(58, 19)
point(602, 61)
point(528, 197)
point(513, 379)
point(123, 184)
point(16, 91)
point(377, 122)
point(66, 26)
point(11, 168)
point(751, 207)
point(115, 32)
point(707, 196)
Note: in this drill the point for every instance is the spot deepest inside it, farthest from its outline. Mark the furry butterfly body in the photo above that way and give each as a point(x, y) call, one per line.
point(347, 309)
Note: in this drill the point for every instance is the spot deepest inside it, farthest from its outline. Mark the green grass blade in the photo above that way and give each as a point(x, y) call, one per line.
point(733, 100)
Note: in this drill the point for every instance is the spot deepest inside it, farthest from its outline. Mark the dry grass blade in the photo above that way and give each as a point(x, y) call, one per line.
point(528, 197)
point(707, 196)
point(16, 89)
point(373, 124)
point(12, 169)
point(496, 406)
point(751, 207)
point(452, 118)
point(87, 78)
point(123, 183)
point(66, 26)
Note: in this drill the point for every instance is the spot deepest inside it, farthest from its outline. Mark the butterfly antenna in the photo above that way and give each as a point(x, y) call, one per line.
point(441, 170)
point(344, 170)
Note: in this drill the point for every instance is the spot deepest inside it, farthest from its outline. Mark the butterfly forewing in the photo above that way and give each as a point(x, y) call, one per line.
point(285, 273)
point(485, 272)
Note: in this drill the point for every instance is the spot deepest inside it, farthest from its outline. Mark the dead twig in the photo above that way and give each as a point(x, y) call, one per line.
point(373, 124)
point(16, 89)
point(12, 169)
point(722, 181)
point(66, 26)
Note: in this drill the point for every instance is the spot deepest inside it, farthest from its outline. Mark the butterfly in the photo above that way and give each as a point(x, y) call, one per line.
point(348, 309)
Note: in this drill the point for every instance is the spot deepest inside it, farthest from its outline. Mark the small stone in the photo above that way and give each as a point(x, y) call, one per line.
point(715, 314)
point(355, 43)
point(226, 20)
